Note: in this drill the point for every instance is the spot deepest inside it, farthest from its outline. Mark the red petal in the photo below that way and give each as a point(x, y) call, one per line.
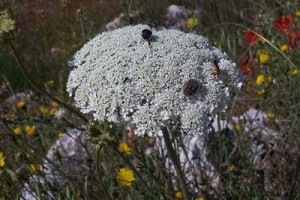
point(246, 67)
point(282, 23)
point(251, 37)
point(294, 39)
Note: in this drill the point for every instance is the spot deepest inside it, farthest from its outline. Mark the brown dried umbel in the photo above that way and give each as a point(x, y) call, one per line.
point(190, 87)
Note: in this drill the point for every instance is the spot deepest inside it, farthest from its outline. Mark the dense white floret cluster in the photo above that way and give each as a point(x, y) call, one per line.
point(119, 76)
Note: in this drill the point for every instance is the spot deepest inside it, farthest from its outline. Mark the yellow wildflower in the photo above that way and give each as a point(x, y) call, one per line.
point(124, 148)
point(238, 127)
point(125, 177)
point(30, 130)
point(50, 82)
point(200, 198)
point(52, 111)
point(269, 78)
point(192, 22)
point(21, 104)
point(284, 48)
point(44, 110)
point(262, 40)
point(54, 104)
point(295, 72)
point(270, 115)
point(178, 195)
point(261, 92)
point(260, 79)
point(17, 130)
point(297, 13)
point(263, 56)
point(34, 168)
point(2, 159)
point(60, 135)
point(231, 168)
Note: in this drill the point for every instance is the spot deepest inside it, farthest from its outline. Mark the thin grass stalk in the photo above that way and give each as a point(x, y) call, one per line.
point(21, 64)
point(293, 190)
point(98, 174)
point(176, 162)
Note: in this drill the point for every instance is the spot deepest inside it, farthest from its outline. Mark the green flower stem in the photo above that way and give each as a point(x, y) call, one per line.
point(293, 190)
point(21, 64)
point(105, 189)
point(176, 162)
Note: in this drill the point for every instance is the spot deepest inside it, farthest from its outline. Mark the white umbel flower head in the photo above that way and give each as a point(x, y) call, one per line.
point(119, 76)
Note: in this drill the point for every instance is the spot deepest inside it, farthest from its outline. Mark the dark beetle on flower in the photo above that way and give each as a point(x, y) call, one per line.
point(190, 87)
point(146, 34)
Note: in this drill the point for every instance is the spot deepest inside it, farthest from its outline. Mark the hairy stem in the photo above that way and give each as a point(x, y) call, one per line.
point(176, 162)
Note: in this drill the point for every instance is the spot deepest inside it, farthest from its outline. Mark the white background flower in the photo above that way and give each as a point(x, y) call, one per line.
point(119, 76)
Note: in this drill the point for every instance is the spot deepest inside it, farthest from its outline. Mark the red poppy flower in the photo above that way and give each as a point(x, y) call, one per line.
point(294, 38)
point(251, 37)
point(282, 23)
point(246, 66)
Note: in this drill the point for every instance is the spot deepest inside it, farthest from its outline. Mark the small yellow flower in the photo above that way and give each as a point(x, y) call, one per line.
point(17, 130)
point(54, 104)
point(34, 168)
point(200, 198)
point(260, 79)
point(261, 92)
point(295, 72)
point(125, 177)
point(284, 48)
point(50, 82)
point(178, 195)
point(30, 130)
point(21, 104)
point(2, 159)
point(60, 135)
point(124, 148)
point(231, 168)
point(262, 40)
point(44, 110)
point(297, 13)
point(269, 78)
point(238, 127)
point(263, 56)
point(52, 111)
point(270, 115)
point(192, 22)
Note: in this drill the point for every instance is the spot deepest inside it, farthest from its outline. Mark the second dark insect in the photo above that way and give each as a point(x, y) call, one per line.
point(146, 34)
